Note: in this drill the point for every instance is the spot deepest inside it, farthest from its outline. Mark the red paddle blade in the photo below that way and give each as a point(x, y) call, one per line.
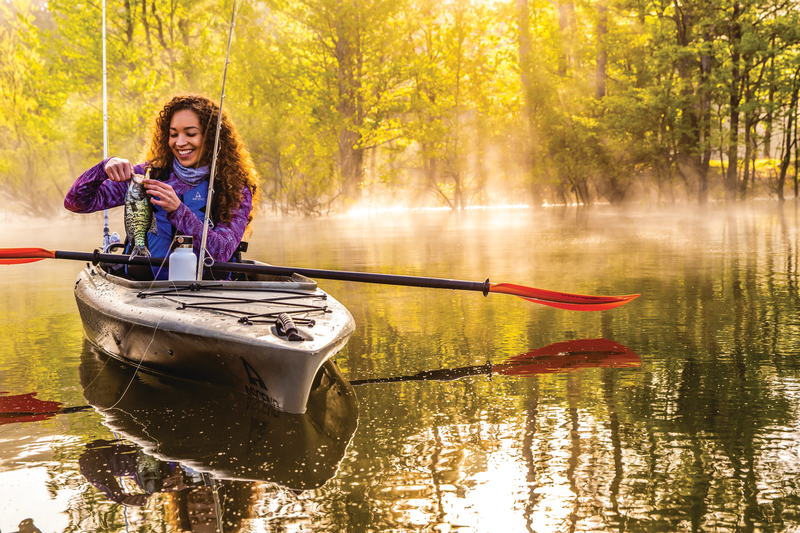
point(13, 419)
point(562, 300)
point(570, 356)
point(16, 256)
point(26, 408)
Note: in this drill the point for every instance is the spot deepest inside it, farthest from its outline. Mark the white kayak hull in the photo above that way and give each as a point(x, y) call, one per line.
point(218, 332)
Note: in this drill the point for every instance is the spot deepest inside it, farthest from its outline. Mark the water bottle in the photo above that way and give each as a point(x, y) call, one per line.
point(183, 262)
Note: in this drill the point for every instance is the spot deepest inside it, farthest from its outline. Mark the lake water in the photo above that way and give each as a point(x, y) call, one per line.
point(691, 424)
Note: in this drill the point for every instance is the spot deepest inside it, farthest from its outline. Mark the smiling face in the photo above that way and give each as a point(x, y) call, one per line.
point(186, 137)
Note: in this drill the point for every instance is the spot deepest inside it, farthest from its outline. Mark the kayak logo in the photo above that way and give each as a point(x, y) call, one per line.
point(269, 404)
point(253, 376)
point(260, 403)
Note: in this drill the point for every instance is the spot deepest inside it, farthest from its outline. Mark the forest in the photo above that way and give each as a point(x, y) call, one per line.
point(419, 103)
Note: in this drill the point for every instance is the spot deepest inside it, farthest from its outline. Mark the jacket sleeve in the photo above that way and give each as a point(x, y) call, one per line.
point(224, 238)
point(93, 191)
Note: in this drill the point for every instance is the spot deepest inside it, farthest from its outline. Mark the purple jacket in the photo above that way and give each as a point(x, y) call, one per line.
point(93, 191)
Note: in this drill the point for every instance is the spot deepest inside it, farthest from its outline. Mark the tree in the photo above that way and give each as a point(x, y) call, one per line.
point(30, 105)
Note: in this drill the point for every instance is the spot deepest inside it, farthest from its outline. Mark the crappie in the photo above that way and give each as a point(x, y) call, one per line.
point(139, 218)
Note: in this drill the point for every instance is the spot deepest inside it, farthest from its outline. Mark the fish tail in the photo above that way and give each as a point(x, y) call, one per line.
point(140, 251)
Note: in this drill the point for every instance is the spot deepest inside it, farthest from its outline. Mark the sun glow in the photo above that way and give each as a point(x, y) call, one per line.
point(373, 210)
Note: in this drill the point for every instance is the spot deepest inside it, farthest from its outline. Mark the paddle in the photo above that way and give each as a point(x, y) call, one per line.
point(28, 408)
point(559, 357)
point(560, 300)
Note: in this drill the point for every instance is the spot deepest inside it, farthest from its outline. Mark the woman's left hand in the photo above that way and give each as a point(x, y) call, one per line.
point(162, 195)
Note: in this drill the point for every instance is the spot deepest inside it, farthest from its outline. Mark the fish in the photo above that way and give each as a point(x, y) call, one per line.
point(139, 215)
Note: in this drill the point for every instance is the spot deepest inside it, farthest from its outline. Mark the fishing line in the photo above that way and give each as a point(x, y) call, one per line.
point(105, 363)
point(139, 365)
point(208, 207)
point(161, 266)
point(144, 353)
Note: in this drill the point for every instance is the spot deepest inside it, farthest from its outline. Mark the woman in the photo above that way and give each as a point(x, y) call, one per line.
point(178, 153)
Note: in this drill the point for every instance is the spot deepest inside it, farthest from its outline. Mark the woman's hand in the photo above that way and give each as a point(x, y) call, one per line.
point(118, 169)
point(162, 195)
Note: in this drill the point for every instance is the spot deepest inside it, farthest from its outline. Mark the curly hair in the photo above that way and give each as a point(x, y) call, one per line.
point(234, 170)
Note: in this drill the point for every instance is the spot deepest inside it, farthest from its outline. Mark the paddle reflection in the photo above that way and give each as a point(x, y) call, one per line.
point(566, 356)
point(28, 408)
point(225, 435)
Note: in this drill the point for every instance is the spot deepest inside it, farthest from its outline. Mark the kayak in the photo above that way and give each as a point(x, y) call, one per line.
point(264, 336)
point(222, 433)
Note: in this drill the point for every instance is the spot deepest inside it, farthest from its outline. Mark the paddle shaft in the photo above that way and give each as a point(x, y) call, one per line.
point(65, 410)
point(533, 365)
point(559, 300)
point(361, 277)
point(444, 374)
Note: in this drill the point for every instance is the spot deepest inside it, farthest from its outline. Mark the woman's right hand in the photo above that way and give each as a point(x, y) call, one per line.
point(118, 169)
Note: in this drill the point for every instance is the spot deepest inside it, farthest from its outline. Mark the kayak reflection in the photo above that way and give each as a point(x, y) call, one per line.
point(566, 356)
point(193, 501)
point(223, 433)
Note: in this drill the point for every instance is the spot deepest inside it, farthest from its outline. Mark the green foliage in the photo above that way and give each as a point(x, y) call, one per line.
point(452, 103)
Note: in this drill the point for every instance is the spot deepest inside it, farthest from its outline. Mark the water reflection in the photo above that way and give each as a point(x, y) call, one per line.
point(27, 526)
point(703, 435)
point(192, 501)
point(507, 467)
point(221, 433)
point(558, 357)
point(28, 408)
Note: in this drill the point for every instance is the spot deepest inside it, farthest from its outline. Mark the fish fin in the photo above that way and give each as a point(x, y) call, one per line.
point(153, 226)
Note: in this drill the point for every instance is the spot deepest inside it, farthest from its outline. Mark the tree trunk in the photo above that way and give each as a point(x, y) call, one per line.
point(734, 99)
point(525, 50)
point(788, 145)
point(128, 22)
point(704, 130)
point(602, 56)
point(348, 58)
point(690, 164)
point(146, 25)
point(566, 18)
point(770, 101)
point(748, 155)
point(796, 152)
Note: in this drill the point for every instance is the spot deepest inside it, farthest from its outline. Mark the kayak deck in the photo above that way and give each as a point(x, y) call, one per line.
point(221, 332)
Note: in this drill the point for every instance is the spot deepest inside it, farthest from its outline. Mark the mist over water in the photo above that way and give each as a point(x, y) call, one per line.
point(701, 435)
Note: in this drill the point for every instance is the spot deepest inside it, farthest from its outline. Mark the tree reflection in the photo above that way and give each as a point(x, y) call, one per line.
point(702, 435)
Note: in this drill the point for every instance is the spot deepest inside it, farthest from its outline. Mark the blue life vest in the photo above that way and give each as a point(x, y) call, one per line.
point(159, 244)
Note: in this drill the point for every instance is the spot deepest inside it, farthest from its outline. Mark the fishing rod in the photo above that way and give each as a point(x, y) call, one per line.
point(560, 300)
point(105, 123)
point(108, 237)
point(201, 258)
